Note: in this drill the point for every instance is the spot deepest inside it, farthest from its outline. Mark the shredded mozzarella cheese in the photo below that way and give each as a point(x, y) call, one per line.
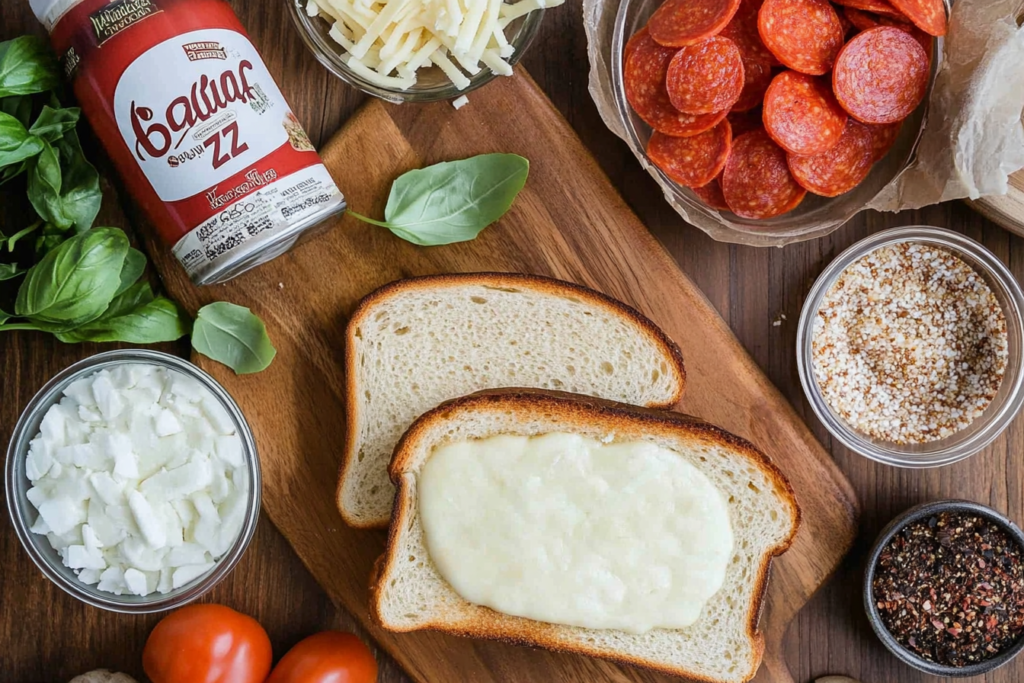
point(388, 41)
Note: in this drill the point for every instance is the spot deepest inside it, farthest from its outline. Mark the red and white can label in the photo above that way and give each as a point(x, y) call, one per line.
point(197, 109)
point(215, 138)
point(259, 216)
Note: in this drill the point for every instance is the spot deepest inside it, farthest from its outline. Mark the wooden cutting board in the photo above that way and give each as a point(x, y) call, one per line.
point(1006, 210)
point(569, 223)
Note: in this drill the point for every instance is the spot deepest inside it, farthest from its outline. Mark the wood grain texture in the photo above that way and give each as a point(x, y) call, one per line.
point(568, 223)
point(1006, 210)
point(48, 637)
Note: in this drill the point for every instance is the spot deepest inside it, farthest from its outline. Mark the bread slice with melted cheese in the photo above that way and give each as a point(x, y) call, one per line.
point(418, 342)
point(724, 645)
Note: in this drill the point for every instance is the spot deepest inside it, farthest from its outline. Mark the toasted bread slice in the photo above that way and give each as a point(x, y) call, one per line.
point(724, 645)
point(416, 343)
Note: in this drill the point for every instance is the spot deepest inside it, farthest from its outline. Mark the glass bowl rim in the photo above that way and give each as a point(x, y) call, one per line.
point(49, 563)
point(329, 56)
point(989, 267)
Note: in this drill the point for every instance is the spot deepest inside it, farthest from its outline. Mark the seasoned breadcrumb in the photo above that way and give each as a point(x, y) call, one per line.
point(910, 344)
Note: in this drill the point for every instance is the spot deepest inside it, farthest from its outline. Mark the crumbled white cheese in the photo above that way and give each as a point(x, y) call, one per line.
point(139, 478)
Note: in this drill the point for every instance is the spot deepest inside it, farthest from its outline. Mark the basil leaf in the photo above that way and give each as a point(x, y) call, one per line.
point(27, 66)
point(81, 195)
point(12, 172)
point(18, 106)
point(137, 317)
point(454, 201)
point(16, 143)
point(64, 188)
point(4, 317)
point(44, 178)
point(13, 239)
point(74, 283)
point(52, 124)
point(232, 335)
point(9, 271)
point(50, 238)
point(131, 271)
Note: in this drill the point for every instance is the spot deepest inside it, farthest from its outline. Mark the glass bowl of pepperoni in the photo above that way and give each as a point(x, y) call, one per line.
point(774, 121)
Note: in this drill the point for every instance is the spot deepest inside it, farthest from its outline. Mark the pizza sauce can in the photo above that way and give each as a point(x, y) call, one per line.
point(197, 128)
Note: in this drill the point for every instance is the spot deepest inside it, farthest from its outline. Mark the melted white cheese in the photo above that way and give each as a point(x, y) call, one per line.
point(568, 530)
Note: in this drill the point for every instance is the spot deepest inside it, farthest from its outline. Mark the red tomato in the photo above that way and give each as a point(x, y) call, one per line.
point(328, 657)
point(207, 644)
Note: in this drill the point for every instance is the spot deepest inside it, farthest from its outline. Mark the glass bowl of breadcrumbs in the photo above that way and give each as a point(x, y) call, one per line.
point(910, 347)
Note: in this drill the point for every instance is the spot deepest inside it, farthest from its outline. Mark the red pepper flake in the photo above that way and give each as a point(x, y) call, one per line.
point(967, 576)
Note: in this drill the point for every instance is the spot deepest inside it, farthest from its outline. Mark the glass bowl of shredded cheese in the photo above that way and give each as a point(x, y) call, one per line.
point(910, 347)
point(418, 50)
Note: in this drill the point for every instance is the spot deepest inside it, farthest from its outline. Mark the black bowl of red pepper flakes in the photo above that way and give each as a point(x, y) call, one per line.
point(944, 588)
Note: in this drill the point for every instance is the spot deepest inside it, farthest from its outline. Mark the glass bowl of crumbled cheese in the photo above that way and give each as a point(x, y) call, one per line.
point(133, 481)
point(418, 50)
point(910, 347)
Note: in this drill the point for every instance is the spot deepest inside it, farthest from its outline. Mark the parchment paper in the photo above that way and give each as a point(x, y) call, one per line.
point(971, 141)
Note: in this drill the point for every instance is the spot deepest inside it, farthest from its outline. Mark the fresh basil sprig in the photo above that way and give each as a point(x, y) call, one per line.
point(452, 201)
point(27, 66)
point(55, 123)
point(135, 316)
point(87, 290)
point(16, 143)
point(74, 283)
point(18, 106)
point(85, 285)
point(63, 187)
point(9, 271)
point(232, 335)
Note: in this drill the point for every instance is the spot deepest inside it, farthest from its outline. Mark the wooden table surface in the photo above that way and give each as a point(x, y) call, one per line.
point(46, 636)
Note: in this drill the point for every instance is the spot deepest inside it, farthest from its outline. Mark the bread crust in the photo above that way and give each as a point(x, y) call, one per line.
point(493, 625)
point(495, 280)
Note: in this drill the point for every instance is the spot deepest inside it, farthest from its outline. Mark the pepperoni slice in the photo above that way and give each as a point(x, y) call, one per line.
point(744, 122)
point(638, 37)
point(860, 19)
point(644, 81)
point(926, 41)
point(804, 35)
point(692, 161)
point(757, 76)
point(883, 7)
point(864, 21)
point(927, 15)
point(801, 113)
point(742, 30)
point(711, 194)
point(881, 75)
point(884, 137)
point(841, 168)
point(756, 182)
point(684, 22)
point(706, 77)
